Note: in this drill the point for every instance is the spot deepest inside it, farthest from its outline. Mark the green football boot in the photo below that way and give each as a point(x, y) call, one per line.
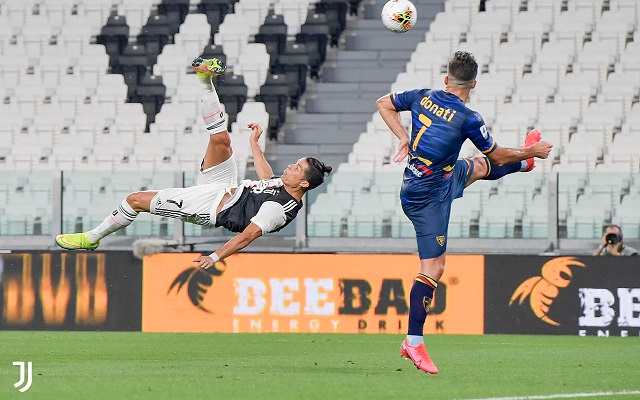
point(76, 241)
point(208, 68)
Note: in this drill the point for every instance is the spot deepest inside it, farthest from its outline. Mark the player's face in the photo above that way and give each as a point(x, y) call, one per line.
point(294, 174)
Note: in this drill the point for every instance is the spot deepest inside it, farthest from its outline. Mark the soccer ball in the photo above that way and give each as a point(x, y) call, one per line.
point(399, 15)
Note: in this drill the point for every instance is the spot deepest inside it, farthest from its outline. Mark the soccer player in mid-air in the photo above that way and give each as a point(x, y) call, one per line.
point(253, 208)
point(434, 175)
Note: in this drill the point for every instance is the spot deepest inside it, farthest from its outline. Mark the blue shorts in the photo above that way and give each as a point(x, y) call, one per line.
point(429, 209)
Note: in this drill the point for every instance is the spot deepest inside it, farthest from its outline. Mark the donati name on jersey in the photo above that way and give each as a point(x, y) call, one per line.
point(436, 110)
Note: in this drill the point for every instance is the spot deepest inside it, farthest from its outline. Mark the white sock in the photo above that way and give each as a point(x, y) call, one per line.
point(414, 340)
point(120, 218)
point(206, 83)
point(214, 118)
point(523, 165)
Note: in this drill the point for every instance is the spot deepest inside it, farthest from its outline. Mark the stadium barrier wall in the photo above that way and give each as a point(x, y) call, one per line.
point(343, 293)
point(334, 293)
point(70, 291)
point(368, 293)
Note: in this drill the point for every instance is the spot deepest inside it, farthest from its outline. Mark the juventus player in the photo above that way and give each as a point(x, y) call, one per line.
point(252, 208)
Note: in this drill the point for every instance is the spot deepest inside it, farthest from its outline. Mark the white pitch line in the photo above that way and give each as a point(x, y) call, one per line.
point(563, 395)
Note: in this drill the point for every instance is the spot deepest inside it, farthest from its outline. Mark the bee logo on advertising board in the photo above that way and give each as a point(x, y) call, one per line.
point(198, 282)
point(597, 296)
point(542, 290)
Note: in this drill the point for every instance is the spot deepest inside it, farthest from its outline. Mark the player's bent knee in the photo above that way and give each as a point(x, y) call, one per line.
point(480, 168)
point(140, 201)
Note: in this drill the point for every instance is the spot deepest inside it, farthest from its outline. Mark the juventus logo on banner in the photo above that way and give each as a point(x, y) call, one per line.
point(29, 376)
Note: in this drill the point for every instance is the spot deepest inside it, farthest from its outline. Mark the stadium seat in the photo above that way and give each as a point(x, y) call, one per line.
point(293, 64)
point(327, 214)
point(173, 65)
point(295, 13)
point(447, 28)
point(273, 33)
point(314, 34)
point(154, 36)
point(464, 212)
point(233, 94)
point(115, 37)
point(499, 219)
point(136, 12)
point(401, 226)
point(254, 12)
point(336, 12)
point(150, 92)
point(275, 96)
point(92, 65)
point(215, 10)
point(175, 13)
point(233, 35)
point(532, 24)
point(620, 89)
point(253, 65)
point(194, 34)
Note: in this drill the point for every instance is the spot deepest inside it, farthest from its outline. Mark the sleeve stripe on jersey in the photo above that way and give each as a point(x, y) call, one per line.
point(490, 149)
point(290, 205)
point(394, 100)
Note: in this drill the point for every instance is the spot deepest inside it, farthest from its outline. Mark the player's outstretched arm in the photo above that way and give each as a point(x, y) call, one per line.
point(237, 243)
point(391, 117)
point(263, 169)
point(506, 155)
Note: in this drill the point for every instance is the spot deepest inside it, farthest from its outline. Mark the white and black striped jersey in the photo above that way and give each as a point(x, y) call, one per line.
point(265, 203)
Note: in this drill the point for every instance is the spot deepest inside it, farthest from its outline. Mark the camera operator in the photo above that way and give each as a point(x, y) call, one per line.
point(612, 244)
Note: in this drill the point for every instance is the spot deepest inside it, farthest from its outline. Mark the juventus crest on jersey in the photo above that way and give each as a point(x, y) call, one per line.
point(265, 203)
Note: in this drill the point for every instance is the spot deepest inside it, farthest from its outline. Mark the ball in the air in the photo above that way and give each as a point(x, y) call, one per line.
point(399, 15)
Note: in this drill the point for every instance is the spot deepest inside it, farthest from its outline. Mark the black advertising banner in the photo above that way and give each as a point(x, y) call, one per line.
point(70, 291)
point(595, 296)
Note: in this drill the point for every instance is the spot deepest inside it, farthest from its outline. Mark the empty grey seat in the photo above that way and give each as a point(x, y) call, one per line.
point(322, 105)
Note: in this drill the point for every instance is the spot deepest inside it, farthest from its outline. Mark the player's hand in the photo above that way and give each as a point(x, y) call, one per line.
point(541, 149)
point(204, 262)
point(403, 151)
point(256, 131)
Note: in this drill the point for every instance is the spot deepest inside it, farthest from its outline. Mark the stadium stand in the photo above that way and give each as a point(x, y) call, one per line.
point(116, 94)
point(573, 49)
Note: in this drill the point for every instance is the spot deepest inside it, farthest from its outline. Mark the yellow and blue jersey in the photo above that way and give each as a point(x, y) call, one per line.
point(440, 124)
point(434, 176)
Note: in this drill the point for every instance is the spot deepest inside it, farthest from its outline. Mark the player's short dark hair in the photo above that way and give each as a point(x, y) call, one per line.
point(463, 68)
point(315, 172)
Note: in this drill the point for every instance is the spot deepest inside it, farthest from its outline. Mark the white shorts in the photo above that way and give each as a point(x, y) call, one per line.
point(198, 204)
point(225, 173)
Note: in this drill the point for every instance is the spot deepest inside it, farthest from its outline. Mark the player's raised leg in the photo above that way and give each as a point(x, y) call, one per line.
point(486, 170)
point(219, 147)
point(120, 218)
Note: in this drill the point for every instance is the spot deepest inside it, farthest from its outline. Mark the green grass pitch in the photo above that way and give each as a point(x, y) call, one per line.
point(92, 365)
